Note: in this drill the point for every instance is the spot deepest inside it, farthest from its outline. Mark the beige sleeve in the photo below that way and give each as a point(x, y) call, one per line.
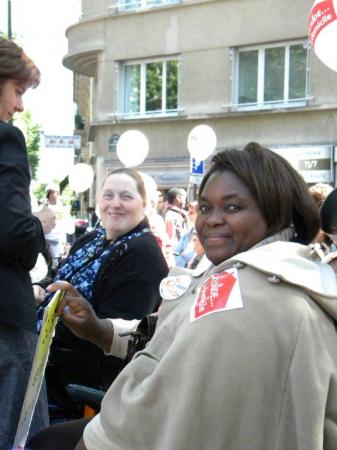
point(94, 435)
point(120, 343)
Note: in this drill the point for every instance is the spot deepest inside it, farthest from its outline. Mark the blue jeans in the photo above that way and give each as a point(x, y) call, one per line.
point(17, 347)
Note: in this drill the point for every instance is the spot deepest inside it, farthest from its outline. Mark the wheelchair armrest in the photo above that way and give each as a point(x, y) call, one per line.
point(86, 395)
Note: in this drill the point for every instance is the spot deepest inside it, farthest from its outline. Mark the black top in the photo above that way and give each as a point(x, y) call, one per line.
point(126, 286)
point(21, 235)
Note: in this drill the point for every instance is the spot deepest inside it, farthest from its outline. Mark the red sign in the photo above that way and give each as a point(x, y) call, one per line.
point(214, 294)
point(321, 15)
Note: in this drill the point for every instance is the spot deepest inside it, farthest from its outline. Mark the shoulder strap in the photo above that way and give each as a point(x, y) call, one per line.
point(140, 337)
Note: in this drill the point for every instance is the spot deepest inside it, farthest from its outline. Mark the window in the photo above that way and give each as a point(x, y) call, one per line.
point(132, 5)
point(270, 76)
point(150, 88)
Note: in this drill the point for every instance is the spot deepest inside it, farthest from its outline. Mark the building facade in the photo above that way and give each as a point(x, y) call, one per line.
point(162, 67)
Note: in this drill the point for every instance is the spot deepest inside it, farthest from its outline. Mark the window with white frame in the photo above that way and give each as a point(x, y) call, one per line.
point(150, 87)
point(271, 75)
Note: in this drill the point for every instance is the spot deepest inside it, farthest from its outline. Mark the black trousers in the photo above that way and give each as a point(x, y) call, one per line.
point(62, 436)
point(66, 366)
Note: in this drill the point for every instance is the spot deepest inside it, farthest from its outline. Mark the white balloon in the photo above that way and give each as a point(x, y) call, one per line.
point(81, 177)
point(323, 31)
point(201, 142)
point(132, 148)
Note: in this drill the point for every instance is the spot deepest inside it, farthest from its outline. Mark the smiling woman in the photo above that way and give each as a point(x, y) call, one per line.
point(117, 268)
point(227, 210)
point(250, 195)
point(121, 202)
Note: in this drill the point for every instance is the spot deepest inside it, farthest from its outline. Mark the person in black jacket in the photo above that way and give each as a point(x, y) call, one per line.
point(117, 268)
point(21, 240)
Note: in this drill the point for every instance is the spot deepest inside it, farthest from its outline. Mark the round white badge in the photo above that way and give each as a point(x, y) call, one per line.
point(174, 287)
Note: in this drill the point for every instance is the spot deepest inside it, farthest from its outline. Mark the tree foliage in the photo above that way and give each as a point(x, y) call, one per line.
point(32, 132)
point(154, 86)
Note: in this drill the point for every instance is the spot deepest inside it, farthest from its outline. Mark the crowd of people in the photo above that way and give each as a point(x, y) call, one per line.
point(236, 288)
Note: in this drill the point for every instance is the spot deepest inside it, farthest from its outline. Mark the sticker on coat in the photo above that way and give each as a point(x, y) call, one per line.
point(220, 292)
point(174, 287)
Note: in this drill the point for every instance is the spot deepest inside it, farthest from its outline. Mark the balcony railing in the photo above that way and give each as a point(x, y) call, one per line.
point(133, 5)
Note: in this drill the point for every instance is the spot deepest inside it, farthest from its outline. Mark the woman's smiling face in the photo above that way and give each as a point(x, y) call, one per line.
point(229, 220)
point(120, 204)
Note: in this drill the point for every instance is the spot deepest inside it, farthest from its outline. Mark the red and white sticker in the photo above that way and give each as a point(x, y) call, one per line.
point(220, 292)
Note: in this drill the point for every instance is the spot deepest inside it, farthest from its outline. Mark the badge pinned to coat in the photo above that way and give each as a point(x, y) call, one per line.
point(220, 292)
point(174, 287)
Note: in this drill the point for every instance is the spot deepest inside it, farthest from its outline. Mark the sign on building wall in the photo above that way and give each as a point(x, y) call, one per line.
point(168, 179)
point(62, 141)
point(164, 179)
point(112, 144)
point(314, 162)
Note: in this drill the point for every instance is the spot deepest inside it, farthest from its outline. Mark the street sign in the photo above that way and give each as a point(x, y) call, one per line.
point(113, 142)
point(197, 170)
point(62, 141)
point(313, 162)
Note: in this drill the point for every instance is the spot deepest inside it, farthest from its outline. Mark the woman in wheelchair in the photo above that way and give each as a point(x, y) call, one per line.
point(117, 267)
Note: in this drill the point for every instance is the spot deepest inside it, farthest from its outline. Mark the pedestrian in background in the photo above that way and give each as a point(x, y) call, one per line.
point(21, 240)
point(156, 221)
point(185, 250)
point(175, 215)
point(57, 237)
point(321, 245)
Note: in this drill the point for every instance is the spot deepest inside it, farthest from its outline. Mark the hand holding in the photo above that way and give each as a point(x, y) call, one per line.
point(77, 313)
point(39, 294)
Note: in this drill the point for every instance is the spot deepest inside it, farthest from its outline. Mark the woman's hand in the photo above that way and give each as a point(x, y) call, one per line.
point(39, 294)
point(77, 313)
point(47, 218)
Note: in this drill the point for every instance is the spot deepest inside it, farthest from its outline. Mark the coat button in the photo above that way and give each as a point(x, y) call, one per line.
point(274, 279)
point(238, 265)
